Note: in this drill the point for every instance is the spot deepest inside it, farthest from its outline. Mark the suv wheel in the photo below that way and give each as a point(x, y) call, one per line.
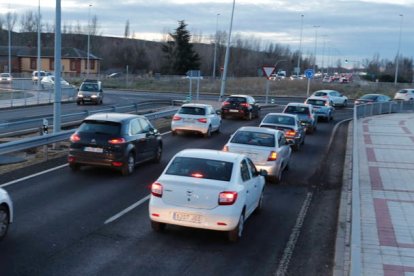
point(129, 166)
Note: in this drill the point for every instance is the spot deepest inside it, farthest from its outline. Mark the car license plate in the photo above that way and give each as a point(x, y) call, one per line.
point(188, 120)
point(91, 149)
point(187, 217)
point(233, 110)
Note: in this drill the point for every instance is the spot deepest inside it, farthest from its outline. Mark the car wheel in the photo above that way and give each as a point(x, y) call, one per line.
point(223, 116)
point(259, 207)
point(74, 167)
point(173, 132)
point(296, 147)
point(158, 154)
point(78, 103)
point(4, 221)
point(249, 116)
point(129, 166)
point(208, 133)
point(236, 233)
point(157, 226)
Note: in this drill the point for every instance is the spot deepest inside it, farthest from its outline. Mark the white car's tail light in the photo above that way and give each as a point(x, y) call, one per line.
point(156, 189)
point(176, 118)
point(202, 120)
point(272, 156)
point(227, 198)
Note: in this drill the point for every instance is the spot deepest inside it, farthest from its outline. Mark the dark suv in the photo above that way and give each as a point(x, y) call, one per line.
point(240, 106)
point(90, 91)
point(114, 140)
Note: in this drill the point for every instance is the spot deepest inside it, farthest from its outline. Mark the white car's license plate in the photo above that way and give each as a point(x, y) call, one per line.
point(188, 120)
point(233, 110)
point(91, 149)
point(187, 217)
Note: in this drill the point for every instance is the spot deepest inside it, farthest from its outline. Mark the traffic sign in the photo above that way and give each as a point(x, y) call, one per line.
point(268, 70)
point(309, 73)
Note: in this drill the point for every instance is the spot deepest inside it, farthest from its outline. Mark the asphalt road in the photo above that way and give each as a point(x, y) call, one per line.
point(60, 219)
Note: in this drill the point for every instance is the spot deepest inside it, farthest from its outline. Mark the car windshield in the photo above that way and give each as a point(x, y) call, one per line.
point(201, 168)
point(89, 87)
point(279, 120)
point(99, 127)
point(5, 75)
point(297, 109)
point(192, 110)
point(254, 138)
point(236, 99)
point(316, 102)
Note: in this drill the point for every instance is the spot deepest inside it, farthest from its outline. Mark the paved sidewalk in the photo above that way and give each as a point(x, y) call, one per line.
point(386, 166)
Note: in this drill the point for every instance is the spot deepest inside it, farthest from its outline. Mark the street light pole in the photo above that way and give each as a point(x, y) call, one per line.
point(397, 58)
point(226, 57)
point(215, 49)
point(89, 41)
point(9, 19)
point(300, 45)
point(316, 45)
point(39, 61)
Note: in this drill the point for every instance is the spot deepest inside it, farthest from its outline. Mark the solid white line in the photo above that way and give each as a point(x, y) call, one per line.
point(123, 212)
point(31, 176)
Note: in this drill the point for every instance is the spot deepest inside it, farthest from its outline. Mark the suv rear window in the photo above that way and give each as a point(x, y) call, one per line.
point(99, 127)
point(254, 138)
point(201, 168)
point(236, 99)
point(192, 110)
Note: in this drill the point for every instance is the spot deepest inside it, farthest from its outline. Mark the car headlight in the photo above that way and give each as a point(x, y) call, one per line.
point(94, 96)
point(80, 95)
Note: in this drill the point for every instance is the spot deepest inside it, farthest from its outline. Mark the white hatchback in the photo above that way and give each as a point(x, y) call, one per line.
point(6, 212)
point(267, 148)
point(200, 118)
point(334, 96)
point(207, 189)
point(405, 95)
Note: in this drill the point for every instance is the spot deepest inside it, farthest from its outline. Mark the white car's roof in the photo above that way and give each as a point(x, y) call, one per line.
point(299, 104)
point(195, 105)
point(258, 129)
point(325, 90)
point(282, 114)
point(317, 98)
point(210, 154)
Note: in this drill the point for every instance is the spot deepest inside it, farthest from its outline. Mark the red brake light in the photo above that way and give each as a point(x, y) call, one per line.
point(227, 198)
point(176, 118)
point(272, 156)
point(225, 103)
point(117, 141)
point(226, 148)
point(202, 120)
point(197, 175)
point(74, 138)
point(156, 189)
point(290, 133)
point(245, 105)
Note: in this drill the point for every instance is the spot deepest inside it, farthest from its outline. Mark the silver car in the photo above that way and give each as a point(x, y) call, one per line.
point(322, 107)
point(267, 148)
point(6, 212)
point(198, 118)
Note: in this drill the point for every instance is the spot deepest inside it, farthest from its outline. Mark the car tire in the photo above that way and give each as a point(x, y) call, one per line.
point(157, 226)
point(218, 129)
point(74, 167)
point(249, 116)
point(259, 207)
point(208, 133)
point(173, 132)
point(129, 166)
point(158, 154)
point(223, 116)
point(4, 221)
point(235, 234)
point(296, 147)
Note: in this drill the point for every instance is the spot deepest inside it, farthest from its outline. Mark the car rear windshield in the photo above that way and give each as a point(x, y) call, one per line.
point(316, 102)
point(279, 120)
point(236, 99)
point(254, 138)
point(192, 110)
point(402, 91)
point(100, 127)
point(297, 109)
point(89, 87)
point(369, 97)
point(201, 168)
point(320, 94)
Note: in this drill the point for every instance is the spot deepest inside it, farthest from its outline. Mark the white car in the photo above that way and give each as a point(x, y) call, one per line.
point(334, 96)
point(405, 94)
point(200, 118)
point(6, 212)
point(5, 78)
point(49, 82)
point(267, 148)
point(207, 189)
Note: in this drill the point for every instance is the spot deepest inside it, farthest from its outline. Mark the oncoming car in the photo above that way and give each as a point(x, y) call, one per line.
point(207, 189)
point(6, 78)
point(90, 91)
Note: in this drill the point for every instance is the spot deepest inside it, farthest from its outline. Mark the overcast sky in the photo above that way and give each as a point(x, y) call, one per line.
point(348, 29)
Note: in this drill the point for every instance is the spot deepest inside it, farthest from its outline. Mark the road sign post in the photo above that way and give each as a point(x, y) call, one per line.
point(309, 73)
point(268, 71)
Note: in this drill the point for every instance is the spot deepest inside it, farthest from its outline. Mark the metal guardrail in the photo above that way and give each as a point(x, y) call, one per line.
point(38, 141)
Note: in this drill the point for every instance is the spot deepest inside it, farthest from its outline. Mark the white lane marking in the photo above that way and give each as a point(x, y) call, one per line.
point(33, 175)
point(290, 246)
point(128, 209)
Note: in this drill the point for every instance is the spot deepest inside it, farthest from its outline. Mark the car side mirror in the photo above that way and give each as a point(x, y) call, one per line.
point(263, 172)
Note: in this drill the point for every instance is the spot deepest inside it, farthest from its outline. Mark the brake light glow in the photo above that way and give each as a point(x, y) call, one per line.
point(117, 164)
point(176, 118)
point(202, 120)
point(75, 138)
point(225, 103)
point(290, 133)
point(156, 189)
point(227, 198)
point(272, 156)
point(117, 141)
point(71, 159)
point(226, 148)
point(197, 175)
point(245, 105)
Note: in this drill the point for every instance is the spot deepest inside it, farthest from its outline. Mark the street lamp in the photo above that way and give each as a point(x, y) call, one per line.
point(300, 45)
point(316, 44)
point(215, 49)
point(397, 58)
point(39, 61)
point(89, 41)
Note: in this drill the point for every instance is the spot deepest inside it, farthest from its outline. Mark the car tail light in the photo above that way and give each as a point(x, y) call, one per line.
point(290, 133)
point(117, 141)
point(225, 103)
point(245, 105)
point(156, 189)
point(75, 138)
point(197, 175)
point(71, 159)
point(227, 198)
point(202, 120)
point(176, 118)
point(272, 156)
point(226, 148)
point(117, 164)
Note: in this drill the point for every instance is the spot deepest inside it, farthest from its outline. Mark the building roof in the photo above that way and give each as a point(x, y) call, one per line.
point(25, 51)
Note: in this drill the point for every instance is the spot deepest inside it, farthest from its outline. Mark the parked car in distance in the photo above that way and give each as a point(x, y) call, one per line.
point(334, 96)
point(199, 118)
point(295, 132)
point(6, 213)
point(372, 98)
point(322, 107)
point(49, 82)
point(243, 106)
point(405, 94)
point(114, 140)
point(267, 148)
point(305, 113)
point(90, 91)
point(36, 76)
point(6, 78)
point(207, 189)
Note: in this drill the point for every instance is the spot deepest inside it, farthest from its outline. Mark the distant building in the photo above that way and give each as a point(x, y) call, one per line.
point(24, 59)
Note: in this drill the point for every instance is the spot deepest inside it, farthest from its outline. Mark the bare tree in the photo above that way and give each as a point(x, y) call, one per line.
point(28, 22)
point(126, 32)
point(11, 19)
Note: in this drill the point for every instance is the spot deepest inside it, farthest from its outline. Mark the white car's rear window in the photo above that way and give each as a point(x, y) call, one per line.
point(254, 138)
point(192, 110)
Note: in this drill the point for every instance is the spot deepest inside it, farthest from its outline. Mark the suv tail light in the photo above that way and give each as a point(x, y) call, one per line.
point(290, 133)
point(227, 198)
point(156, 189)
point(245, 105)
point(202, 120)
point(225, 103)
point(176, 118)
point(272, 156)
point(117, 141)
point(75, 138)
